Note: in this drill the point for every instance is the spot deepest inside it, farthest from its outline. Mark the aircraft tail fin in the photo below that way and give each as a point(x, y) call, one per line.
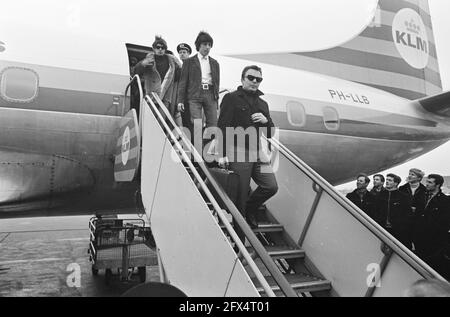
point(437, 104)
point(395, 53)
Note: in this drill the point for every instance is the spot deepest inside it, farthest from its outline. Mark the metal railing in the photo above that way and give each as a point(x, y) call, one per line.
point(396, 246)
point(279, 278)
point(141, 96)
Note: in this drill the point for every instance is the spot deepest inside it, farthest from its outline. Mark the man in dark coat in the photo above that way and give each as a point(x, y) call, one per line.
point(378, 186)
point(415, 190)
point(243, 118)
point(432, 239)
point(182, 119)
point(393, 211)
point(416, 193)
point(361, 196)
point(199, 86)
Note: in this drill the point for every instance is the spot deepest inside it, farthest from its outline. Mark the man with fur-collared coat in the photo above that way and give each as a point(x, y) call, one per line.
point(158, 71)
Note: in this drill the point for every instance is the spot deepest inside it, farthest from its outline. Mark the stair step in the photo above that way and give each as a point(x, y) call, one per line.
point(285, 253)
point(268, 227)
point(264, 228)
point(300, 283)
point(282, 252)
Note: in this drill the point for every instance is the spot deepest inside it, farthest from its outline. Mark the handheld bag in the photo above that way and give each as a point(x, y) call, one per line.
point(228, 180)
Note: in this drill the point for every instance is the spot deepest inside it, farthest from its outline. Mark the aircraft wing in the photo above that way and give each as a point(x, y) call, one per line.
point(437, 104)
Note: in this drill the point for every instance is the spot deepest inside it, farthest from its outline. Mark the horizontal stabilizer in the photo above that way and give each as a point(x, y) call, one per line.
point(437, 104)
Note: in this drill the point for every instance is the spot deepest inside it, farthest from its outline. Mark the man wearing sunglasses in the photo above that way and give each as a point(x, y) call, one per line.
point(199, 87)
point(247, 116)
point(150, 78)
point(166, 66)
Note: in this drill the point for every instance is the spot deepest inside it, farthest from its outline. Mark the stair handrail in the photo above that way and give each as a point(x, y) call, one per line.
point(217, 208)
point(279, 278)
point(396, 246)
point(141, 96)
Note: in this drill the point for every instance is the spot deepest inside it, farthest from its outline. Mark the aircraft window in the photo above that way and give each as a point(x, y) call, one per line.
point(296, 113)
point(331, 119)
point(19, 84)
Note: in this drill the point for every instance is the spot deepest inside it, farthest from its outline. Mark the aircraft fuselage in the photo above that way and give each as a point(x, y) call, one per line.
point(57, 148)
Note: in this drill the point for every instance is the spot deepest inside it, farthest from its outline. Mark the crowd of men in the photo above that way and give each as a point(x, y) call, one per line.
point(190, 90)
point(417, 215)
point(188, 86)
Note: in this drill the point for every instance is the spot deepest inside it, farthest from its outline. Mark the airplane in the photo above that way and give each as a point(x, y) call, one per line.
point(369, 104)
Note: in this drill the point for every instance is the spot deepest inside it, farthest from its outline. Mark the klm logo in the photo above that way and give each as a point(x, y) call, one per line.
point(2, 47)
point(410, 36)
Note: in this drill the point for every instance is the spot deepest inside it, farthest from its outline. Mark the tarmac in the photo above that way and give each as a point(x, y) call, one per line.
point(47, 257)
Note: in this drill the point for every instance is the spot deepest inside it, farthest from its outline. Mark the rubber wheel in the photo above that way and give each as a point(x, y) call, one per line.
point(142, 274)
point(108, 276)
point(94, 271)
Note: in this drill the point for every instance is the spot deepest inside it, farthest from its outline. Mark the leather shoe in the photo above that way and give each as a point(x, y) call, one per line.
point(251, 220)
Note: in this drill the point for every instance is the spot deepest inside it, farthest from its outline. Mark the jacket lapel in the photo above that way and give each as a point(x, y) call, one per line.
point(196, 61)
point(215, 70)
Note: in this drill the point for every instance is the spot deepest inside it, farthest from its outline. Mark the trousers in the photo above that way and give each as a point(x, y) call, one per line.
point(208, 104)
point(262, 174)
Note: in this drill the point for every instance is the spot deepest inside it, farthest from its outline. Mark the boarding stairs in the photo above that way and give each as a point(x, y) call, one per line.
point(277, 260)
point(310, 241)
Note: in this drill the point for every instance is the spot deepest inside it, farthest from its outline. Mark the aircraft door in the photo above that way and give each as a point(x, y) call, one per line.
point(136, 53)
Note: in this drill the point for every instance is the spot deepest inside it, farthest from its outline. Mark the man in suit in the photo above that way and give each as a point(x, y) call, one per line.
point(199, 87)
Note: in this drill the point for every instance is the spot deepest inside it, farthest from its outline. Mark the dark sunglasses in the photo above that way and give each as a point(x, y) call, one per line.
point(159, 47)
point(252, 78)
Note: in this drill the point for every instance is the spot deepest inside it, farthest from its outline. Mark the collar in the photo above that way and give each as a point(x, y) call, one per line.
point(363, 193)
point(415, 186)
point(241, 91)
point(431, 195)
point(201, 58)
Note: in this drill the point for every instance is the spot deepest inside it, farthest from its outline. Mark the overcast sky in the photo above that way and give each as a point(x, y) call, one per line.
point(299, 25)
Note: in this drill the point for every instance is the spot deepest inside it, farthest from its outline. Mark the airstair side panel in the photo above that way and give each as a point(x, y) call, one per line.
point(153, 143)
point(397, 278)
point(196, 255)
point(340, 241)
point(342, 248)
